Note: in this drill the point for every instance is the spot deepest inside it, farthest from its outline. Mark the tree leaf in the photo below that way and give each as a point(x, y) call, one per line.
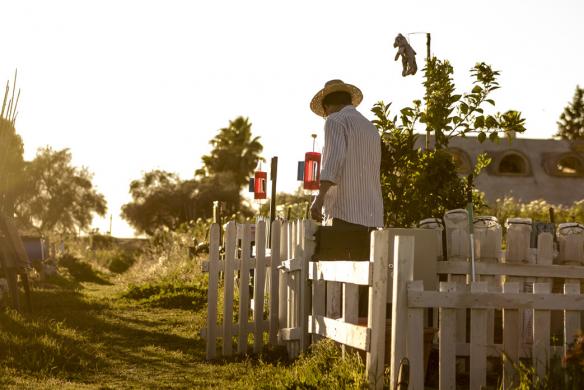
point(482, 137)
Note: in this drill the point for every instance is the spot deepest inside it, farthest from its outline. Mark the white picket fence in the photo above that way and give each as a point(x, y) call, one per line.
point(296, 301)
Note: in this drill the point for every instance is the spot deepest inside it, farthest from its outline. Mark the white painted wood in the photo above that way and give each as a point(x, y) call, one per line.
point(235, 329)
point(461, 286)
point(415, 340)
point(259, 285)
point(478, 341)
point(308, 247)
point(350, 305)
point(292, 289)
point(212, 292)
point(244, 289)
point(283, 281)
point(228, 275)
point(541, 333)
point(525, 270)
point(291, 265)
point(221, 265)
point(511, 337)
point(458, 300)
point(333, 299)
point(355, 272)
point(275, 283)
point(403, 272)
point(354, 336)
point(447, 341)
point(572, 323)
point(289, 334)
point(318, 299)
point(545, 249)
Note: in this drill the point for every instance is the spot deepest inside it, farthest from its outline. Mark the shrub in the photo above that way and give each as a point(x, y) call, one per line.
point(191, 296)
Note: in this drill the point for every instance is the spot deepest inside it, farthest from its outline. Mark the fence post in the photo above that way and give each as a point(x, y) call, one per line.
point(259, 285)
point(274, 284)
point(308, 246)
point(479, 326)
point(541, 333)
point(230, 248)
point(403, 271)
point(283, 280)
point(447, 341)
point(212, 292)
point(415, 342)
point(511, 338)
point(244, 289)
point(571, 318)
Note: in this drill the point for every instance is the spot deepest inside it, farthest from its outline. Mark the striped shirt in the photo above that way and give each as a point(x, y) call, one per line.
point(351, 158)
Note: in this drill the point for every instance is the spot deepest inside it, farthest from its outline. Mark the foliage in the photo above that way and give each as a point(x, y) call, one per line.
point(296, 202)
point(537, 210)
point(11, 165)
point(161, 200)
point(419, 184)
point(188, 296)
point(60, 198)
point(323, 367)
point(571, 122)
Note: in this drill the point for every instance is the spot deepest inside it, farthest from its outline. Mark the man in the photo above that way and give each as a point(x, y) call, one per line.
point(350, 188)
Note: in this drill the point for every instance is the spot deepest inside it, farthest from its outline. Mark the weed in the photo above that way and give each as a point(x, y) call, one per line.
point(192, 296)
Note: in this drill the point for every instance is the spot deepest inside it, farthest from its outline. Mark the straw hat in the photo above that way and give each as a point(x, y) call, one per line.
point(334, 86)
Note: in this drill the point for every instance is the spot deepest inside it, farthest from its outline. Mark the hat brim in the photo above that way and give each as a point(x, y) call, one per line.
point(316, 102)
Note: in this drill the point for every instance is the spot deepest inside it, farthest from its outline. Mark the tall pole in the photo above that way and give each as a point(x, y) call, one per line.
point(427, 61)
point(274, 178)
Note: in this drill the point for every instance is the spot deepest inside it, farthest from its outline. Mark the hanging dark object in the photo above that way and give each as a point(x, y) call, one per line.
point(407, 54)
point(260, 185)
point(311, 171)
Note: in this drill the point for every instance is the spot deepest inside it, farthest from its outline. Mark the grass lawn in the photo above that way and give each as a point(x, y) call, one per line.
point(92, 329)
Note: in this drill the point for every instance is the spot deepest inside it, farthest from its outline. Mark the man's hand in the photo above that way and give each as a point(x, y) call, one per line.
point(316, 208)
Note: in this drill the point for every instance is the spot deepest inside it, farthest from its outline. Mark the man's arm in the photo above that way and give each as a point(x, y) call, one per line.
point(316, 207)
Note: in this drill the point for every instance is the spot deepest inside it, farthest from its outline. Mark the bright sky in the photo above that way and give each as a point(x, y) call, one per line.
point(130, 86)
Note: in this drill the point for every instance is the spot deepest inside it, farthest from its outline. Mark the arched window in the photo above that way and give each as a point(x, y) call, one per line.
point(510, 163)
point(570, 166)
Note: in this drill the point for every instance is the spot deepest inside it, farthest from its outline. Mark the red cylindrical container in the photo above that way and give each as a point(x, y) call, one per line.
point(312, 171)
point(260, 185)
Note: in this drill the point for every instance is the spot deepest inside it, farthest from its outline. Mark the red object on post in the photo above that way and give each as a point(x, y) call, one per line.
point(312, 171)
point(260, 185)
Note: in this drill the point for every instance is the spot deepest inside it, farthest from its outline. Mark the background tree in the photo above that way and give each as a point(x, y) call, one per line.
point(161, 199)
point(571, 123)
point(418, 184)
point(59, 198)
point(11, 151)
point(296, 201)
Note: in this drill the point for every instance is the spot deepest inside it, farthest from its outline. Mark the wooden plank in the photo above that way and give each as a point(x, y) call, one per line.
point(291, 265)
point(212, 292)
point(228, 275)
point(283, 281)
point(333, 299)
point(447, 341)
point(221, 264)
point(415, 339)
point(289, 334)
point(380, 256)
point(348, 334)
point(318, 300)
point(308, 247)
point(509, 269)
point(250, 327)
point(459, 300)
point(259, 284)
point(461, 286)
point(571, 318)
point(541, 333)
point(478, 341)
point(350, 305)
point(292, 291)
point(511, 337)
point(275, 282)
point(403, 271)
point(355, 272)
point(244, 289)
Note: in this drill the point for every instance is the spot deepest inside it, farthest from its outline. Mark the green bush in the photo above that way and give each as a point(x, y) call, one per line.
point(323, 367)
point(189, 296)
